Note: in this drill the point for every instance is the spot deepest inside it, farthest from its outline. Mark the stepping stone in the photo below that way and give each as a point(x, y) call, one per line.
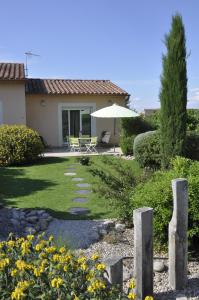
point(83, 185)
point(79, 211)
point(80, 200)
point(83, 192)
point(70, 174)
point(77, 179)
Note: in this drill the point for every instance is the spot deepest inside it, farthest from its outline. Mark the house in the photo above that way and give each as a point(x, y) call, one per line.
point(56, 108)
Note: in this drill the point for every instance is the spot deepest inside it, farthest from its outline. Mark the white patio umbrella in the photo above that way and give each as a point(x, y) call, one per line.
point(114, 111)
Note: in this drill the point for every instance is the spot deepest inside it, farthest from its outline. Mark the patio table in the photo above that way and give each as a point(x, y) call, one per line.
point(83, 141)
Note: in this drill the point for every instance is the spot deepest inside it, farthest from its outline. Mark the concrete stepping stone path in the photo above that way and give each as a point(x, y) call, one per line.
point(83, 185)
point(77, 179)
point(83, 192)
point(80, 200)
point(79, 211)
point(70, 174)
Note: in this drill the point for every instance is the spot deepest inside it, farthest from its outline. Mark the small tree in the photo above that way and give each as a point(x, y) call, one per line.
point(173, 94)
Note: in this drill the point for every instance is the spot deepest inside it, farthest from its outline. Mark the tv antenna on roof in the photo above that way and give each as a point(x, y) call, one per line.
point(28, 55)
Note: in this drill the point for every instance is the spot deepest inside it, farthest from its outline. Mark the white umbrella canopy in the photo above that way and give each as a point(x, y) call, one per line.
point(114, 111)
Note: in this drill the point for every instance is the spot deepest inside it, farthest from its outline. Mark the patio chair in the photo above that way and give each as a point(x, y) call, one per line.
point(74, 144)
point(91, 147)
point(106, 137)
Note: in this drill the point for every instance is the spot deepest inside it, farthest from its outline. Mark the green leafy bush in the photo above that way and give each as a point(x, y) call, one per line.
point(126, 144)
point(19, 144)
point(84, 160)
point(130, 127)
point(146, 149)
point(134, 126)
point(115, 184)
point(153, 120)
point(193, 120)
point(157, 193)
point(192, 146)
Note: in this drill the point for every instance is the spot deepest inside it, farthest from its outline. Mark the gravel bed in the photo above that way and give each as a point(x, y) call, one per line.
point(124, 248)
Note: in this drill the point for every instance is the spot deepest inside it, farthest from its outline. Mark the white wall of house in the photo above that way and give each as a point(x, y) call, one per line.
point(12, 102)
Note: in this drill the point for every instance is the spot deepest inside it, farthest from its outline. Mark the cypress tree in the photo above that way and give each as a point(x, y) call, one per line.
point(173, 93)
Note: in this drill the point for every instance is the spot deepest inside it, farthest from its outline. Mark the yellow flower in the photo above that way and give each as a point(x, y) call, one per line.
point(3, 263)
point(14, 272)
point(62, 250)
point(90, 275)
point(25, 246)
point(38, 247)
point(131, 296)
point(50, 249)
point(51, 238)
point(37, 272)
point(17, 294)
point(65, 268)
point(84, 266)
point(30, 237)
point(148, 298)
point(56, 257)
point(100, 267)
point(76, 298)
point(11, 244)
point(132, 284)
point(81, 260)
point(56, 282)
point(20, 264)
point(95, 256)
point(96, 285)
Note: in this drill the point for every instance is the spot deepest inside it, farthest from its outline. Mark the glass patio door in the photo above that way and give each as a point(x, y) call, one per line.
point(75, 123)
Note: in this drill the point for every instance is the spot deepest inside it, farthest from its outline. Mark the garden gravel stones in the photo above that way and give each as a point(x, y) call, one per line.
point(83, 185)
point(70, 174)
point(83, 192)
point(79, 211)
point(77, 179)
point(80, 200)
point(159, 266)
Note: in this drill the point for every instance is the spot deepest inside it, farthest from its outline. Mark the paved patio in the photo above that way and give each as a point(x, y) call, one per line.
point(63, 152)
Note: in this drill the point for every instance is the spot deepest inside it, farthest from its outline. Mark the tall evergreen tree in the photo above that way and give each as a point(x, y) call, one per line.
point(173, 94)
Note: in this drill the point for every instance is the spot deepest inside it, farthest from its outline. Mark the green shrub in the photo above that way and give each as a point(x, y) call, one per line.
point(134, 126)
point(130, 127)
point(192, 146)
point(115, 183)
point(18, 144)
point(126, 144)
point(193, 120)
point(157, 193)
point(146, 149)
point(84, 160)
point(153, 120)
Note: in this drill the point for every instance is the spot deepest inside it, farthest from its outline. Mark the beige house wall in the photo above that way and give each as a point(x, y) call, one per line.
point(42, 112)
point(12, 102)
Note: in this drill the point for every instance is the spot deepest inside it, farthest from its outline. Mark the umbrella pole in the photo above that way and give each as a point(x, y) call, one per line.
point(114, 132)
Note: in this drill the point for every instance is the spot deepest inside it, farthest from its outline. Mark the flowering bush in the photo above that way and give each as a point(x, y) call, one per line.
point(34, 268)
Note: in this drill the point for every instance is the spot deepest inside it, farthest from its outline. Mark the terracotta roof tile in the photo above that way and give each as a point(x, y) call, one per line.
point(12, 71)
point(72, 87)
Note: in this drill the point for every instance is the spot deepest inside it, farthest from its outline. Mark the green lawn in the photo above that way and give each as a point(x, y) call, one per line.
point(44, 186)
